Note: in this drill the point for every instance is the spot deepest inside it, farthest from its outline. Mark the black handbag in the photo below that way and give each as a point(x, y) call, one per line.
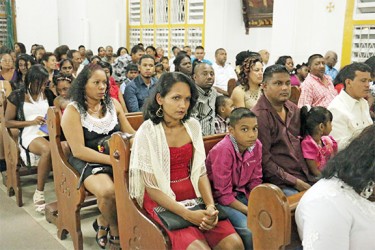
point(173, 221)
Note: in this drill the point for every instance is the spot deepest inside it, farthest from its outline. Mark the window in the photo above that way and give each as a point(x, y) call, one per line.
point(7, 24)
point(166, 23)
point(359, 35)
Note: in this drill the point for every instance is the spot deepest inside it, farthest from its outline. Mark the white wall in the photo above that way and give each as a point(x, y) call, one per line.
point(300, 27)
point(36, 22)
point(225, 28)
point(305, 27)
point(92, 23)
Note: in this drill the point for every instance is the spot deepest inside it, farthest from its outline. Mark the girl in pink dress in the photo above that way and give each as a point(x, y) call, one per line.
point(317, 145)
point(167, 166)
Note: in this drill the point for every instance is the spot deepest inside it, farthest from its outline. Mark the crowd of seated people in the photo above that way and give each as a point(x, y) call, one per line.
point(269, 138)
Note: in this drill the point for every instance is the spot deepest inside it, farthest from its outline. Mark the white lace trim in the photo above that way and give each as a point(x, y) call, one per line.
point(367, 207)
point(99, 125)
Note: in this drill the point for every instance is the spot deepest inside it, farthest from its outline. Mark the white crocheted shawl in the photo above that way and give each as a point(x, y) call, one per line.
point(150, 159)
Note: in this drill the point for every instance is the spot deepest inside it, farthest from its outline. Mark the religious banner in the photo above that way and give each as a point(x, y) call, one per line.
point(257, 13)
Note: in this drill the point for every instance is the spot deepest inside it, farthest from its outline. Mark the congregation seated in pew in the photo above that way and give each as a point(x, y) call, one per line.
point(87, 124)
point(166, 146)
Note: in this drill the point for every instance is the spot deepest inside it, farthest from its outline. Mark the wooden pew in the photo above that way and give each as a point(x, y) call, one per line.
point(137, 230)
point(15, 167)
point(295, 93)
point(135, 119)
point(271, 218)
point(70, 200)
point(231, 85)
point(65, 212)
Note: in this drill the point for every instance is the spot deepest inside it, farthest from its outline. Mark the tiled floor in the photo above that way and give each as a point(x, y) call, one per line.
point(28, 187)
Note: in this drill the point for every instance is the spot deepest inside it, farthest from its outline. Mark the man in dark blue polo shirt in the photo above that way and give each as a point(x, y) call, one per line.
point(139, 89)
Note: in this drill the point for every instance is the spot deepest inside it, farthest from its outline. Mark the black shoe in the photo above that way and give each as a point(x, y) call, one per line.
point(114, 242)
point(102, 241)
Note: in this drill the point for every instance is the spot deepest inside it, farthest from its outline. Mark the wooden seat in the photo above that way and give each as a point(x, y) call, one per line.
point(70, 200)
point(295, 93)
point(231, 85)
point(137, 230)
point(135, 119)
point(15, 167)
point(271, 218)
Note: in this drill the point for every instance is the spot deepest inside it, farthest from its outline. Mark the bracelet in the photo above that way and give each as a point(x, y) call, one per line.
point(211, 205)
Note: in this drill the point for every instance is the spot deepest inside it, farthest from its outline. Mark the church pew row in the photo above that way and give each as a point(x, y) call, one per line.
point(65, 212)
point(137, 229)
point(15, 166)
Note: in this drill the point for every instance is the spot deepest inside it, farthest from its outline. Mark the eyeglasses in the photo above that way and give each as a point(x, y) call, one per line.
point(7, 61)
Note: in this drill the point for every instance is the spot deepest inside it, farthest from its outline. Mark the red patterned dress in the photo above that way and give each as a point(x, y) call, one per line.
point(181, 185)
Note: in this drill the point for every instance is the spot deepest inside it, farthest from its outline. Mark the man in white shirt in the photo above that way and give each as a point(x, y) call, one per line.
point(175, 51)
point(350, 110)
point(265, 55)
point(223, 71)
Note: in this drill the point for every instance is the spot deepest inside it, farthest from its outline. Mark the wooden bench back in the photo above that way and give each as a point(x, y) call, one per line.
point(137, 229)
point(12, 157)
point(135, 119)
point(295, 93)
point(271, 218)
point(231, 85)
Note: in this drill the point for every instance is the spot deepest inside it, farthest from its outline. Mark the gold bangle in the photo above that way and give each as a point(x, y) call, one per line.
point(211, 205)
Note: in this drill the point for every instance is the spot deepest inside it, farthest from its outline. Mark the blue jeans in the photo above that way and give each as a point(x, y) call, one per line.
point(239, 222)
point(288, 191)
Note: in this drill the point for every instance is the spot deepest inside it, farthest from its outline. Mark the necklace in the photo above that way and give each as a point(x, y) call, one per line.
point(95, 112)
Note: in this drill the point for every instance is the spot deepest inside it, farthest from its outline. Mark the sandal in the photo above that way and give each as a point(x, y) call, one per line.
point(39, 201)
point(101, 241)
point(114, 245)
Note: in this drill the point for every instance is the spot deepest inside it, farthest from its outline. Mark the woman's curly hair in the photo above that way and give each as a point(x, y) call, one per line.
point(77, 91)
point(247, 65)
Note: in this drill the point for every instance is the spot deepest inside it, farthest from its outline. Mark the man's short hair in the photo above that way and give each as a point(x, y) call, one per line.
point(312, 58)
point(348, 72)
point(81, 46)
point(218, 50)
point(276, 68)
point(199, 47)
point(145, 57)
point(238, 114)
point(131, 67)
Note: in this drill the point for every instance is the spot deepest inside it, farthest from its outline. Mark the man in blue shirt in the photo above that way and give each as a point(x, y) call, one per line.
point(139, 89)
point(331, 59)
point(199, 56)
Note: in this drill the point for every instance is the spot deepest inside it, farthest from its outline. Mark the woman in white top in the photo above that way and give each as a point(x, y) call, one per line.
point(338, 212)
point(26, 110)
point(250, 78)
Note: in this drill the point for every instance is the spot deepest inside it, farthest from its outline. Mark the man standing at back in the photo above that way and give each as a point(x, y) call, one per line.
point(139, 89)
point(223, 71)
point(317, 89)
point(204, 109)
point(279, 131)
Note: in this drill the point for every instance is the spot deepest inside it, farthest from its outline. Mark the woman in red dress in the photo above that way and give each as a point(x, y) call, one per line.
point(167, 166)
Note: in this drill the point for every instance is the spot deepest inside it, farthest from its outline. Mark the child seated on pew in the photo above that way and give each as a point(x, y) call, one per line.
point(234, 167)
point(62, 83)
point(223, 107)
point(317, 145)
